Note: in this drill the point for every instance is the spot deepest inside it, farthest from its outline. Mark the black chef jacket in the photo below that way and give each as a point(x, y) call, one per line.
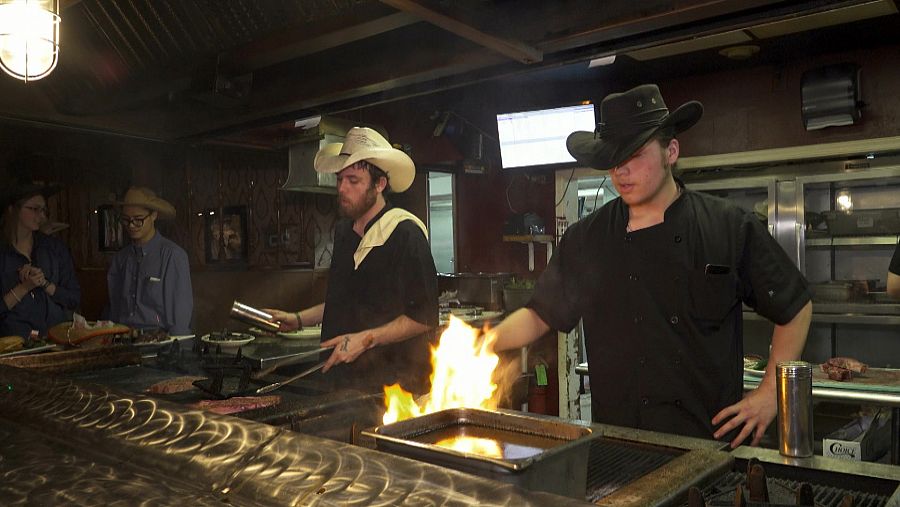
point(661, 307)
point(397, 278)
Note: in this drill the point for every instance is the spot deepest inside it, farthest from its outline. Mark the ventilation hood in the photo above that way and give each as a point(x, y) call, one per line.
point(314, 133)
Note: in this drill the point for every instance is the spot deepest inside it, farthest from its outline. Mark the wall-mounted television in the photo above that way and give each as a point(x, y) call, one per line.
point(538, 138)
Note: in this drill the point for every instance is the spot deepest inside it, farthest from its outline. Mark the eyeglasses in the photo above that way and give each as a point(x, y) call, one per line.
point(36, 209)
point(135, 221)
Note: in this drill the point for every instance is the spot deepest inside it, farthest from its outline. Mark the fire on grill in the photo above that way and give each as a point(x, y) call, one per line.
point(456, 425)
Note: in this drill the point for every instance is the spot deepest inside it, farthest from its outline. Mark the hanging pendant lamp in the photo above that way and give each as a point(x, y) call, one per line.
point(29, 38)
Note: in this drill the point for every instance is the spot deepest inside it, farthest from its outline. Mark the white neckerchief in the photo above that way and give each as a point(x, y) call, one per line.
point(381, 230)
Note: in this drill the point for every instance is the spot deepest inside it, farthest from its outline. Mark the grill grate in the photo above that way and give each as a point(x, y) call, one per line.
point(826, 496)
point(613, 464)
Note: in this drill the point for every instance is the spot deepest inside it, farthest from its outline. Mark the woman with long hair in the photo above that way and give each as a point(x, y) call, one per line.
point(37, 275)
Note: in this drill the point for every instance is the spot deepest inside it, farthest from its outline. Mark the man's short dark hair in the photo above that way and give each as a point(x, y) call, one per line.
point(375, 173)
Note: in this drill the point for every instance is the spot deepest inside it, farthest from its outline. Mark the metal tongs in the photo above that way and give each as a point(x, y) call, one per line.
point(278, 385)
point(216, 386)
point(216, 389)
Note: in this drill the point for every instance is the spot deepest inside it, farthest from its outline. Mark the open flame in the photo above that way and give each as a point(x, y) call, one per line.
point(462, 369)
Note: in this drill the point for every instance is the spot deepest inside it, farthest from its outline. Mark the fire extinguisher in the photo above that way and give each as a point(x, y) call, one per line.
point(537, 390)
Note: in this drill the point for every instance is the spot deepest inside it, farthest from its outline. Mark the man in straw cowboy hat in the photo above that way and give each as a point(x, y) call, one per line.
point(381, 301)
point(150, 279)
point(658, 276)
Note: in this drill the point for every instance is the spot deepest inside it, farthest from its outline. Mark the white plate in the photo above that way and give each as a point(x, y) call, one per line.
point(228, 343)
point(751, 362)
point(33, 350)
point(307, 333)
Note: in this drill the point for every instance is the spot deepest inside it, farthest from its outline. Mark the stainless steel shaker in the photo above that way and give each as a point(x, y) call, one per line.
point(252, 316)
point(795, 415)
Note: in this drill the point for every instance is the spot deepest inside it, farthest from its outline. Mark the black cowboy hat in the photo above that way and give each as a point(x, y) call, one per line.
point(627, 121)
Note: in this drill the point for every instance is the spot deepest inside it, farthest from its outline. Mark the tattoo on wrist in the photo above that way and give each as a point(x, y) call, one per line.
point(345, 344)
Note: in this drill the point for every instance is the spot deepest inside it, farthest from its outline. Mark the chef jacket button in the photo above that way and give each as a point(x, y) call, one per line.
point(674, 319)
point(677, 238)
point(645, 401)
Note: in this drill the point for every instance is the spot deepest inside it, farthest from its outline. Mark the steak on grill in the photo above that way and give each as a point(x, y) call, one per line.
point(849, 363)
point(837, 373)
point(237, 404)
point(173, 385)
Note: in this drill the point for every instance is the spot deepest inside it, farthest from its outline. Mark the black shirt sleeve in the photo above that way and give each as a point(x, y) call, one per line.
point(771, 283)
point(895, 261)
point(418, 276)
point(555, 296)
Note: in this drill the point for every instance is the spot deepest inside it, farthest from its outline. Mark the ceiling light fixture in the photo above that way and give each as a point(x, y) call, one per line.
point(29, 38)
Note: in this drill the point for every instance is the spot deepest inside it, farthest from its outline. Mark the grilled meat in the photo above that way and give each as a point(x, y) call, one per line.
point(849, 363)
point(837, 373)
point(173, 385)
point(238, 404)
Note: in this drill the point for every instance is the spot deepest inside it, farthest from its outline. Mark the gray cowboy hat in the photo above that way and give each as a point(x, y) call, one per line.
point(627, 121)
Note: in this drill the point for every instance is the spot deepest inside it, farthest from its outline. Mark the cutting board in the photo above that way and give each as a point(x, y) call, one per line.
point(883, 380)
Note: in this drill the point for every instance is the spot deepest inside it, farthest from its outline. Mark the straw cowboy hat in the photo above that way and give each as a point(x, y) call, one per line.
point(362, 143)
point(627, 121)
point(146, 198)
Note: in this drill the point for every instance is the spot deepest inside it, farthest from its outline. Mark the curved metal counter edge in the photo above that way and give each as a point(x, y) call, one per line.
point(119, 446)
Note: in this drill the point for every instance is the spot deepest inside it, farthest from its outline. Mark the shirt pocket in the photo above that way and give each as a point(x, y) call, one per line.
point(152, 293)
point(712, 296)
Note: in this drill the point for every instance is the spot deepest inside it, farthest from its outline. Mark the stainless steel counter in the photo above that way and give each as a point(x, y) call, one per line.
point(65, 443)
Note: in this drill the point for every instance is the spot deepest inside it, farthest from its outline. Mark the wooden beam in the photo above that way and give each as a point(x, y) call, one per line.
point(297, 41)
point(516, 50)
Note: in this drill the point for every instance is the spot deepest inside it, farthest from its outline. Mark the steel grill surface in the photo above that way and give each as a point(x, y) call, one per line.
point(825, 496)
point(613, 464)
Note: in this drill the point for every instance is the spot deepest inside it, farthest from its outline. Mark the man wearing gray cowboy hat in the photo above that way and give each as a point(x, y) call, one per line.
point(150, 279)
point(658, 276)
point(381, 301)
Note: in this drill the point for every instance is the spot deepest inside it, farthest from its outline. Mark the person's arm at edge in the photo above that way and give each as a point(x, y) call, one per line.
point(523, 327)
point(349, 346)
point(893, 285)
point(291, 321)
point(758, 408)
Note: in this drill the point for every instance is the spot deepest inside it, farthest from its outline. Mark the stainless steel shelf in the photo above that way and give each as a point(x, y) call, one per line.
point(852, 241)
point(838, 318)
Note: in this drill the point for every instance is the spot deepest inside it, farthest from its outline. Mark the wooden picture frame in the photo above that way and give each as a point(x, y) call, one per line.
point(225, 235)
point(110, 232)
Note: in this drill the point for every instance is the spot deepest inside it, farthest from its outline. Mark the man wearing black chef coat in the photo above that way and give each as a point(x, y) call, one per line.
point(381, 301)
point(893, 277)
point(659, 275)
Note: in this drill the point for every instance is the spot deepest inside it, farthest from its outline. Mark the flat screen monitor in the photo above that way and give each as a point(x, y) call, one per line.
point(538, 138)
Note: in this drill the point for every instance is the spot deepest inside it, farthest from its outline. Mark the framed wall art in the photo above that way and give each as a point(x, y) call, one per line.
point(225, 234)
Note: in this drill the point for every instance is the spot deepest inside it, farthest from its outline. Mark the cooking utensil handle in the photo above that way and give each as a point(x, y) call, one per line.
point(277, 385)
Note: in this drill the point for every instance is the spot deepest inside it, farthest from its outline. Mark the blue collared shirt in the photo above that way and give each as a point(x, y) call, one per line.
point(38, 310)
point(150, 286)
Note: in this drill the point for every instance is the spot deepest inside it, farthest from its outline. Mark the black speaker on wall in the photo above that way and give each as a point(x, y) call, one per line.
point(831, 96)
